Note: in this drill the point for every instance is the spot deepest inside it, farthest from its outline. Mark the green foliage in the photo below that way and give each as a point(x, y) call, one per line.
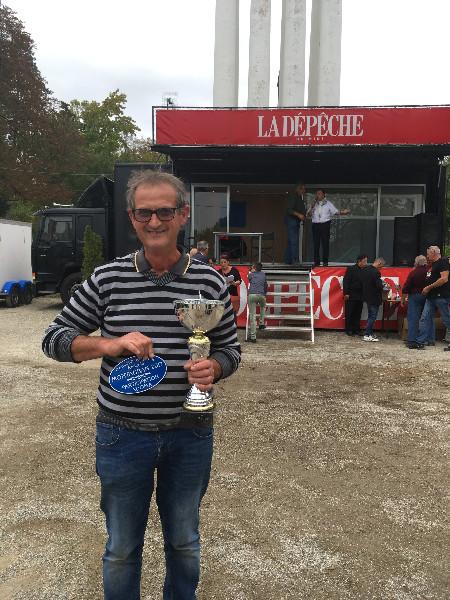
point(38, 138)
point(21, 210)
point(447, 218)
point(140, 150)
point(92, 252)
point(50, 151)
point(105, 129)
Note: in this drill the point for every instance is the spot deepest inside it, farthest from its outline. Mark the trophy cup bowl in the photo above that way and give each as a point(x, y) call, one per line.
point(199, 316)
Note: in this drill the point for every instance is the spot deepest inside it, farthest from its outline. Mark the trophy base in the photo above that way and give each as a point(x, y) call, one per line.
point(190, 419)
point(198, 401)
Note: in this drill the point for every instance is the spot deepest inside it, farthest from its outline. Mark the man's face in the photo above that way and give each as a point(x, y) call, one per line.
point(155, 234)
point(431, 255)
point(378, 264)
point(301, 190)
point(320, 195)
point(362, 263)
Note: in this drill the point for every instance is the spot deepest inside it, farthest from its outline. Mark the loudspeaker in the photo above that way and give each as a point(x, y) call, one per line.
point(428, 233)
point(405, 241)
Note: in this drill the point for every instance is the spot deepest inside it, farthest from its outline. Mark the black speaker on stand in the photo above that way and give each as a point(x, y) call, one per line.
point(428, 233)
point(405, 241)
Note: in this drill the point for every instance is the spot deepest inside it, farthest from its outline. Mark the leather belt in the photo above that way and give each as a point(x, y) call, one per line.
point(185, 420)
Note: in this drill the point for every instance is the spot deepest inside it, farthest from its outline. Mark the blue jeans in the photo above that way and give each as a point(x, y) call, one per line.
point(293, 230)
point(426, 323)
point(416, 303)
point(126, 462)
point(372, 312)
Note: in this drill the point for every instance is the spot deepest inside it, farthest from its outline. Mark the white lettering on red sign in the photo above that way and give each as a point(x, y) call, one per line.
point(311, 126)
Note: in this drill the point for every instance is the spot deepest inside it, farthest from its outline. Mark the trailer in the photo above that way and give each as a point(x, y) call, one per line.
point(16, 284)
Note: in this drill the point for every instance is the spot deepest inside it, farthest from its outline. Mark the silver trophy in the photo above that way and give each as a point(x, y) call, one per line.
point(199, 316)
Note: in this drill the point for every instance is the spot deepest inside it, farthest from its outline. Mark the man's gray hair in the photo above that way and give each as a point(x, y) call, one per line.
point(435, 249)
point(380, 260)
point(153, 178)
point(420, 261)
point(202, 245)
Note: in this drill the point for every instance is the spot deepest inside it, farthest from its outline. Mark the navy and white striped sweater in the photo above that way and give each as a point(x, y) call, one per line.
point(120, 298)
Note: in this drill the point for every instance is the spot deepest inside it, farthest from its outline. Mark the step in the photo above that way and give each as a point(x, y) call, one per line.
point(287, 328)
point(288, 317)
point(290, 283)
point(279, 272)
point(288, 304)
point(288, 294)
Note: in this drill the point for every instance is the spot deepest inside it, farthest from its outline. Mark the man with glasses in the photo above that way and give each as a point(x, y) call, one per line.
point(140, 435)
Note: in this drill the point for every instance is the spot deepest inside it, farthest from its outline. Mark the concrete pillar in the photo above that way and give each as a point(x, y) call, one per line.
point(259, 54)
point(325, 53)
point(291, 90)
point(226, 53)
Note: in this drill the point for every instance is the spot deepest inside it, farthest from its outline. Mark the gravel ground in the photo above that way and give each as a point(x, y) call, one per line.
point(330, 477)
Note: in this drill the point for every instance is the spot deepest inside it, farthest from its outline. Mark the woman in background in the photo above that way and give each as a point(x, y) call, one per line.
point(233, 279)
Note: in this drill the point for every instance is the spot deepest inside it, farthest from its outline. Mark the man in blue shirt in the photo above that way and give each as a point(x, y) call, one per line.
point(257, 291)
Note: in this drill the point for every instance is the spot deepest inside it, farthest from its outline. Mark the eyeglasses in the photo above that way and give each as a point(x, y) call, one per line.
point(144, 215)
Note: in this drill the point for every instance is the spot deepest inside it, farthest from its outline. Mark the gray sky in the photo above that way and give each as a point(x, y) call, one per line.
point(393, 51)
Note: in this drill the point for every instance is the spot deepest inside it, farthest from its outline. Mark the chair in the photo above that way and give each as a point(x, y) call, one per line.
point(234, 247)
point(267, 247)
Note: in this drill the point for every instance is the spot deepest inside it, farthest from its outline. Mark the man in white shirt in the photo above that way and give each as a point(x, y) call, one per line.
point(321, 213)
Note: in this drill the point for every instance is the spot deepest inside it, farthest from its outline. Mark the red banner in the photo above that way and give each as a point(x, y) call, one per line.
point(328, 298)
point(303, 126)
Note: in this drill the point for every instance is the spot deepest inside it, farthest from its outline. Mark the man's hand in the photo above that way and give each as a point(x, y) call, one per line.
point(426, 289)
point(346, 297)
point(131, 344)
point(85, 347)
point(203, 372)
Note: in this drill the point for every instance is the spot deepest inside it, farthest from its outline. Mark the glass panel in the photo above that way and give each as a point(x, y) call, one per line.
point(349, 235)
point(57, 229)
point(401, 201)
point(210, 212)
point(259, 208)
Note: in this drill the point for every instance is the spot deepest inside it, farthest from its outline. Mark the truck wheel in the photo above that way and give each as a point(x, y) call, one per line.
point(13, 298)
point(69, 285)
point(27, 294)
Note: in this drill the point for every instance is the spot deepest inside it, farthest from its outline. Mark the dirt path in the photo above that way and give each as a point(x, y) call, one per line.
point(330, 477)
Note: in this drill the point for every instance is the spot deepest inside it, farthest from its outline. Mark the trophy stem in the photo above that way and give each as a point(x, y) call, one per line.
point(199, 346)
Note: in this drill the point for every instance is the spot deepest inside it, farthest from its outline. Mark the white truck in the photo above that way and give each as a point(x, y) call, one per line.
point(16, 282)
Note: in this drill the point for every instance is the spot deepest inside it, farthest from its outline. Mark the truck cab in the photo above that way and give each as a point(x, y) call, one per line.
point(57, 246)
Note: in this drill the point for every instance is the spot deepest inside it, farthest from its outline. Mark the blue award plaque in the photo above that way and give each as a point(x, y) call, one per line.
point(133, 375)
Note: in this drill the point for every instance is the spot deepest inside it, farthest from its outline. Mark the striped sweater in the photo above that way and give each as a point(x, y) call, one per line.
point(125, 296)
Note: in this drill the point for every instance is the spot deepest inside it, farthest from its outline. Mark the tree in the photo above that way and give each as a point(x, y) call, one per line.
point(38, 138)
point(107, 131)
point(21, 211)
point(447, 214)
point(140, 150)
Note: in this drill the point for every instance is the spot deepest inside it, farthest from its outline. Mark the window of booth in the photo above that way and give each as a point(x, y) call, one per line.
point(209, 212)
point(352, 234)
point(247, 208)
